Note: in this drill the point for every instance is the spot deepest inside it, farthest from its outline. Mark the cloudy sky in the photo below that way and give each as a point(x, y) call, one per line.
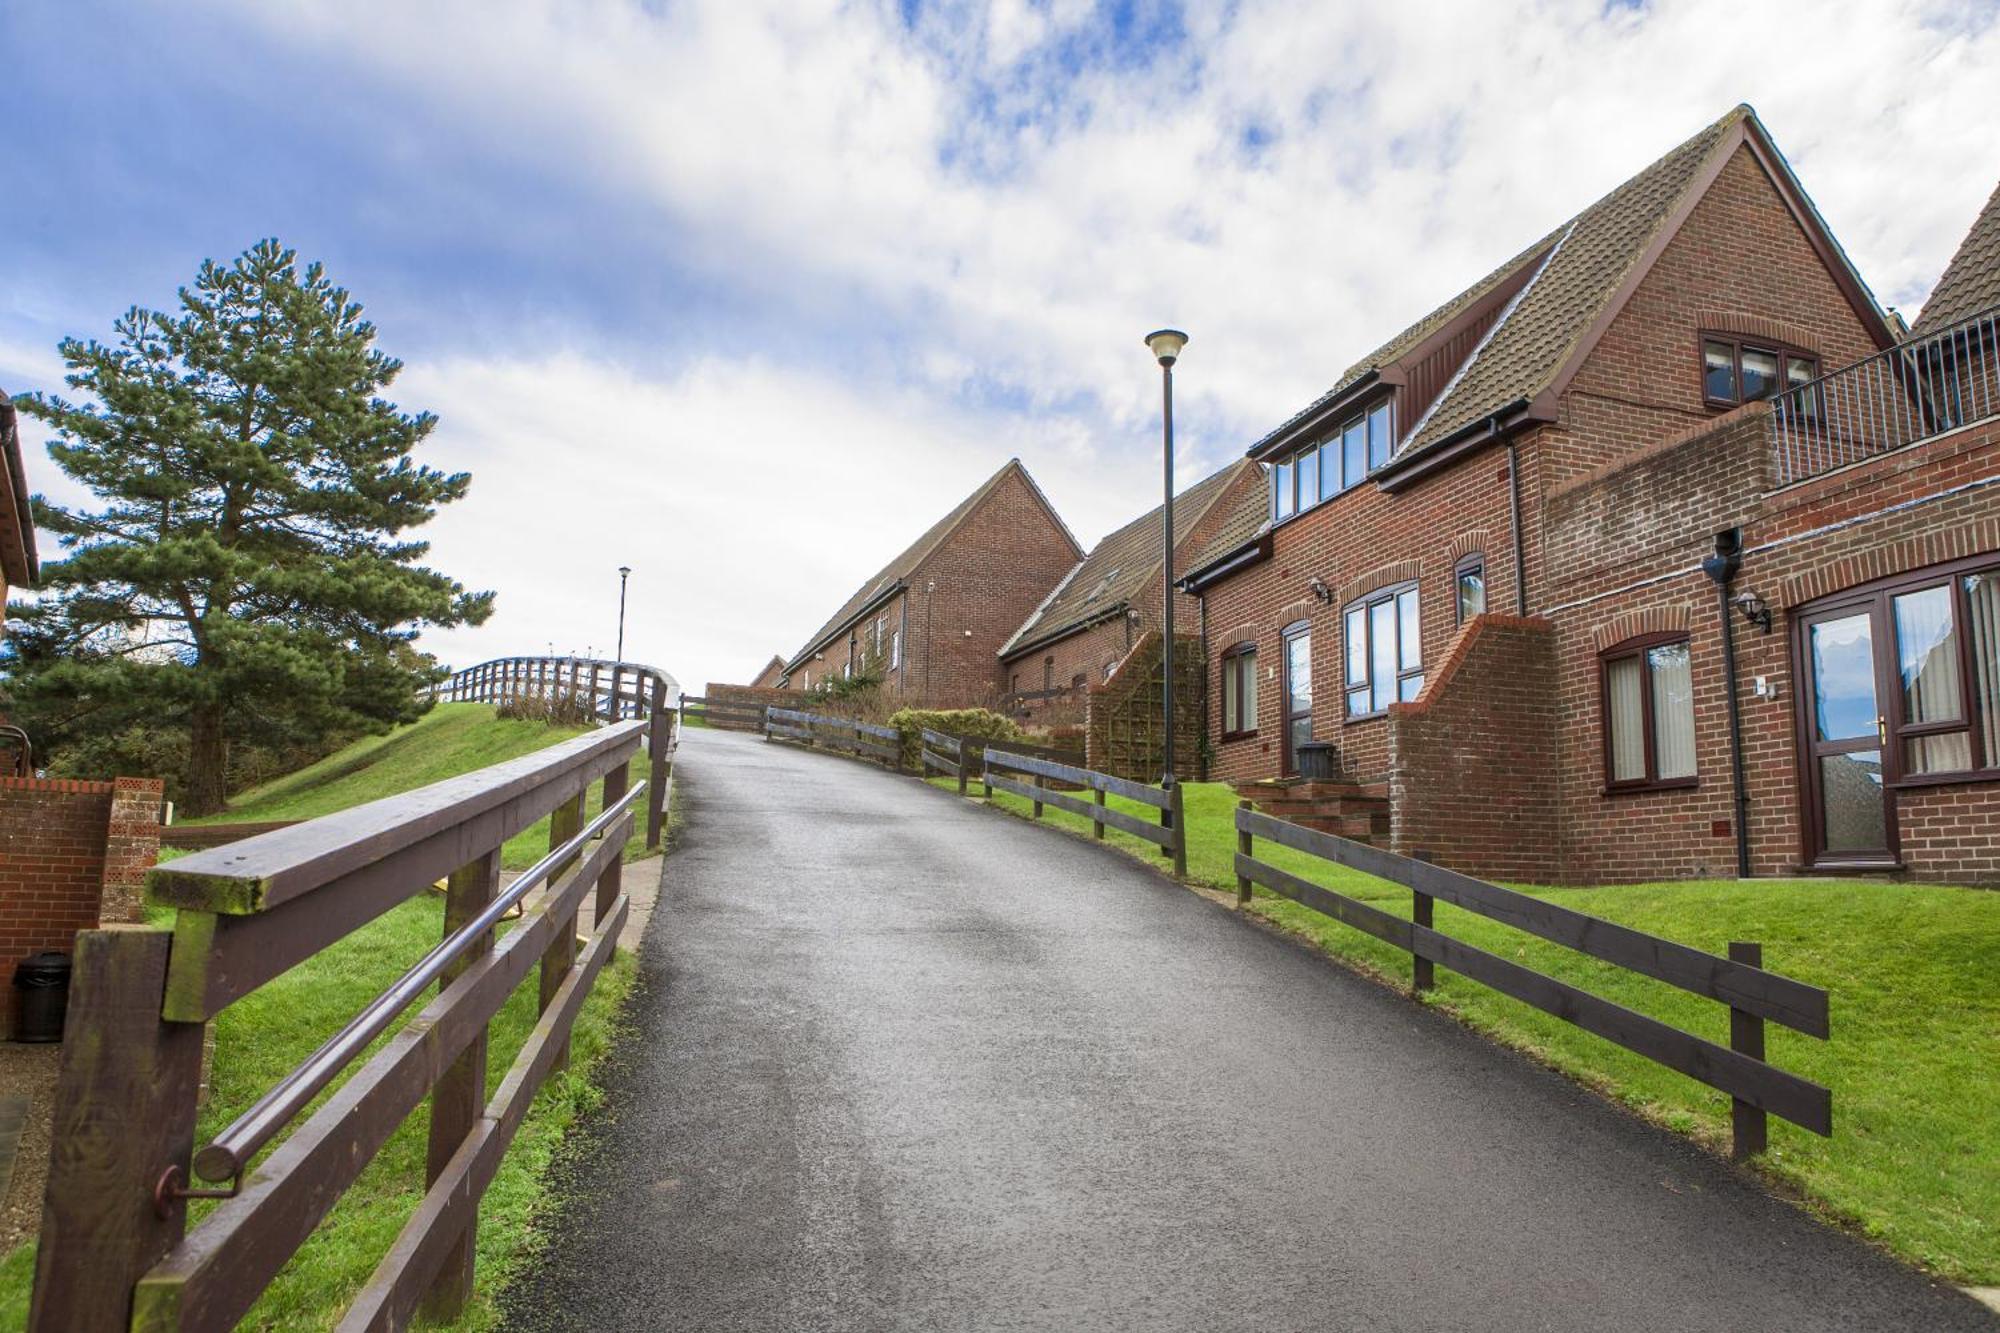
point(744, 294)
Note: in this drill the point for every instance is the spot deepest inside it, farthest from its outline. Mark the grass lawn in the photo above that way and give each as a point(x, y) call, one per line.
point(1914, 974)
point(266, 1034)
point(449, 740)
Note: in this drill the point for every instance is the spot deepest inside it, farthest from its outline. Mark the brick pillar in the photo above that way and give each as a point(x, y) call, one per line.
point(131, 845)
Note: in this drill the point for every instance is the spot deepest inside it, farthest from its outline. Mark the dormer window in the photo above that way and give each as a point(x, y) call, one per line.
point(1336, 462)
point(1735, 371)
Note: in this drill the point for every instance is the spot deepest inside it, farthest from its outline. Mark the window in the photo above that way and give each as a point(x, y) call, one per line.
point(1470, 580)
point(1385, 650)
point(1048, 674)
point(1239, 691)
point(1648, 714)
point(1735, 372)
point(1336, 463)
point(878, 634)
point(896, 650)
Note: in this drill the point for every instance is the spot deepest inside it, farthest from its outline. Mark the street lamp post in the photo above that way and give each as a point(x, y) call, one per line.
point(1166, 345)
point(624, 572)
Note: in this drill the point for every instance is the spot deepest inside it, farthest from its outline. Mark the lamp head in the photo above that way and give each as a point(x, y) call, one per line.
point(624, 571)
point(1167, 344)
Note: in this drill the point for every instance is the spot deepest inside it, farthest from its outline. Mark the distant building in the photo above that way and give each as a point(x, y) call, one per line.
point(773, 672)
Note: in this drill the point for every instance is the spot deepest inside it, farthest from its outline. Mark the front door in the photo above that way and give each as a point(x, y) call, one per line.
point(1296, 700)
point(1850, 811)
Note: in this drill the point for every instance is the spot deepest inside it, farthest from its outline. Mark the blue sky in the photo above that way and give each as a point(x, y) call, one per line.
point(744, 294)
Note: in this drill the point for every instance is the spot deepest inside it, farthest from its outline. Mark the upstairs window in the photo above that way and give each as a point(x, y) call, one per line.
point(1648, 714)
point(1733, 371)
point(896, 650)
point(1337, 462)
point(1385, 650)
point(1239, 691)
point(1469, 577)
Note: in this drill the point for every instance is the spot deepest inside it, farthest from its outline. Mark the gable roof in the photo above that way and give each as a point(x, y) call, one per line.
point(892, 575)
point(1121, 566)
point(1971, 282)
point(1568, 286)
point(770, 671)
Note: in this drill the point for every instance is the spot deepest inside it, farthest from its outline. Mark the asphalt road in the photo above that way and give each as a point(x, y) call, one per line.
point(901, 1062)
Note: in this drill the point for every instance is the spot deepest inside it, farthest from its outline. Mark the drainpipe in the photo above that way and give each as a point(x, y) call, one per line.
point(1520, 547)
point(1722, 567)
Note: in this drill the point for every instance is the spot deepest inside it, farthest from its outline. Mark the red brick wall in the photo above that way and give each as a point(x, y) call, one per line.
point(131, 845)
point(1472, 779)
point(52, 842)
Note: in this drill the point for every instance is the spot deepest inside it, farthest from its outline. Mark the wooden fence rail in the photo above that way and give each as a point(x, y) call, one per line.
point(1170, 833)
point(839, 734)
point(1739, 981)
point(115, 1251)
point(938, 752)
point(728, 714)
point(610, 691)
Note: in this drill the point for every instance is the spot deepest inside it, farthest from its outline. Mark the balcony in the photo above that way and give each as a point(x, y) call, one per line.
point(1896, 398)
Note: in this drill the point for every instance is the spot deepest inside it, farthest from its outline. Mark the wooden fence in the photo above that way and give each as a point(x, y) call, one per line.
point(726, 714)
point(610, 691)
point(939, 752)
point(841, 735)
point(1170, 833)
point(115, 1249)
point(1739, 981)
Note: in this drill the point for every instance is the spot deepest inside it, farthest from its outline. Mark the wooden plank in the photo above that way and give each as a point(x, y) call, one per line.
point(261, 873)
point(1369, 920)
point(1749, 1131)
point(789, 732)
point(938, 762)
point(942, 742)
point(1178, 845)
point(217, 1272)
point(659, 749)
point(1798, 1100)
point(124, 1112)
point(1117, 819)
point(450, 1207)
point(1778, 998)
point(1082, 777)
point(560, 955)
point(460, 1095)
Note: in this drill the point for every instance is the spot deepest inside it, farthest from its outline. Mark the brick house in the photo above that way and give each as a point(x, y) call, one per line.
point(1411, 601)
point(932, 620)
point(1110, 599)
point(773, 672)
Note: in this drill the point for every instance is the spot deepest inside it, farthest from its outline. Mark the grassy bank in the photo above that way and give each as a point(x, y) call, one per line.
point(449, 740)
point(1914, 972)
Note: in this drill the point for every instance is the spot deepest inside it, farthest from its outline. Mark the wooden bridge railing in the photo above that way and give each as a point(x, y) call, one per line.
point(115, 1250)
point(1739, 981)
point(1170, 833)
point(610, 691)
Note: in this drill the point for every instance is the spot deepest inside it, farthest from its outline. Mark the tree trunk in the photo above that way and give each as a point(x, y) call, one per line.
point(208, 762)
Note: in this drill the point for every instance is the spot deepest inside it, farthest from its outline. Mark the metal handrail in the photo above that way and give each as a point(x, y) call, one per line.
point(1906, 393)
point(226, 1154)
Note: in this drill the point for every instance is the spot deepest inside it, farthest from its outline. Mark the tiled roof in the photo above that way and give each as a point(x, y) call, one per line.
point(1121, 566)
point(911, 557)
point(1971, 282)
point(1240, 525)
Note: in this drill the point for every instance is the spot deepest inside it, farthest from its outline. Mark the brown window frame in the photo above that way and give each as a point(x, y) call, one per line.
point(1785, 352)
point(1618, 652)
point(1233, 659)
point(1285, 477)
point(1466, 564)
point(1387, 593)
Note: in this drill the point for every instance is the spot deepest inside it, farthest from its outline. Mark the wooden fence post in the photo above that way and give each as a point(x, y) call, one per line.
point(124, 1114)
point(1179, 848)
point(1097, 825)
point(460, 1097)
point(985, 773)
point(964, 773)
point(560, 956)
point(1245, 845)
point(1036, 778)
point(616, 783)
point(1749, 1126)
point(659, 746)
point(1423, 974)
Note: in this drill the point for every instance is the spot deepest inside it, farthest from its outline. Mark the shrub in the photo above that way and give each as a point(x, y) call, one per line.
point(981, 723)
point(558, 708)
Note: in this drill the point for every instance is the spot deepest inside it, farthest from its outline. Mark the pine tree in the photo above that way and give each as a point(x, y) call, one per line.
point(245, 573)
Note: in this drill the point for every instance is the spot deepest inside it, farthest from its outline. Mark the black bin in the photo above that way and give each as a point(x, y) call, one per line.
point(1318, 761)
point(43, 981)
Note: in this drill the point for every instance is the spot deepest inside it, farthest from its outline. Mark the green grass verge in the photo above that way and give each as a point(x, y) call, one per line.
point(1914, 973)
point(449, 740)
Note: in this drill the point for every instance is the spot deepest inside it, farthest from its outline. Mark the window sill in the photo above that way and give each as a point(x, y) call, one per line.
point(1353, 718)
point(1231, 736)
point(1919, 780)
point(1648, 788)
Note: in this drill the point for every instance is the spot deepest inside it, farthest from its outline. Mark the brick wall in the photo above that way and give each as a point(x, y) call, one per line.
point(753, 695)
point(1472, 776)
point(52, 836)
point(131, 845)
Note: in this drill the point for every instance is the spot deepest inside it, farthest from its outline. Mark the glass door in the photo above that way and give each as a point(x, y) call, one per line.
point(1850, 811)
point(1297, 697)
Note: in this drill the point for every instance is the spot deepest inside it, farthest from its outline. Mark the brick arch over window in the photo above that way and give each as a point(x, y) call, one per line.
point(1302, 609)
point(1653, 620)
point(1382, 576)
point(1244, 633)
point(1911, 553)
point(1464, 544)
point(1758, 326)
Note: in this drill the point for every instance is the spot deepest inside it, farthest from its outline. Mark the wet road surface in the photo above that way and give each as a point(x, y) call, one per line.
point(902, 1062)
